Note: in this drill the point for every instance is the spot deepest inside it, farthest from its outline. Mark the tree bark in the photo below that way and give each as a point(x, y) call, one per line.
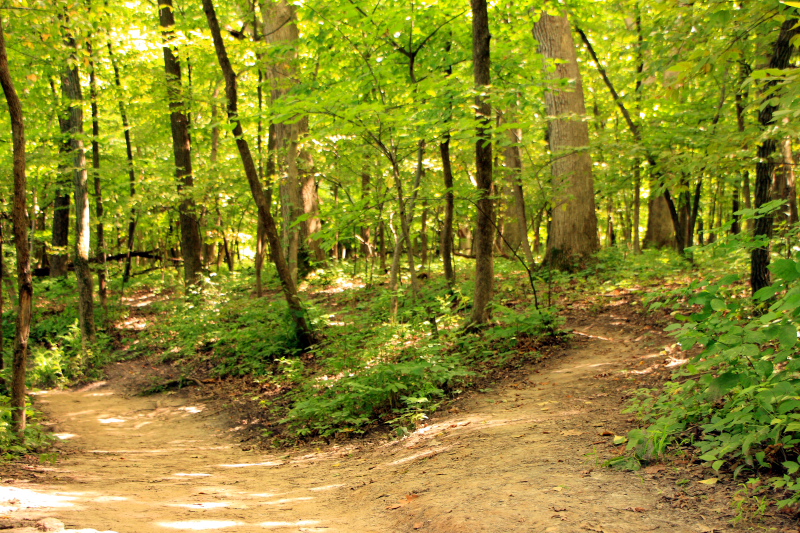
point(102, 284)
point(573, 237)
point(449, 207)
point(71, 88)
point(305, 334)
point(126, 276)
point(484, 228)
point(20, 224)
point(759, 257)
point(191, 243)
point(660, 229)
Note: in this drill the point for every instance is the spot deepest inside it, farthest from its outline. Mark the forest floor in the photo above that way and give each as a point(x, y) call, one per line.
point(525, 456)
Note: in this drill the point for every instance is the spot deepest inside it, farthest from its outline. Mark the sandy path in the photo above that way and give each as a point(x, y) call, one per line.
point(161, 463)
point(525, 458)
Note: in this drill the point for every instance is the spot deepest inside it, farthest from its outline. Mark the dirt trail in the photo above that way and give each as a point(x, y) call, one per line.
point(525, 458)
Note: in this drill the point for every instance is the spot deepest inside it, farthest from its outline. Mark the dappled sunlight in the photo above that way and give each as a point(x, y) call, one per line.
point(64, 436)
point(13, 498)
point(201, 525)
point(299, 523)
point(244, 465)
point(202, 505)
point(192, 409)
point(289, 500)
point(111, 420)
point(421, 455)
point(327, 487)
point(133, 323)
point(576, 332)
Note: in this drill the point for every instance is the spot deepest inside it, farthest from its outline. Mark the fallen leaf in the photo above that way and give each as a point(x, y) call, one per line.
point(636, 509)
point(618, 439)
point(606, 433)
point(559, 509)
point(571, 433)
point(394, 506)
point(558, 489)
point(418, 525)
point(709, 481)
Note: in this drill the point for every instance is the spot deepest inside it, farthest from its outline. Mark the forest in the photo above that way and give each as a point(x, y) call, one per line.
point(355, 214)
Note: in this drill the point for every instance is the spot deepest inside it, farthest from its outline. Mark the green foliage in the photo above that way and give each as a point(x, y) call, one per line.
point(738, 400)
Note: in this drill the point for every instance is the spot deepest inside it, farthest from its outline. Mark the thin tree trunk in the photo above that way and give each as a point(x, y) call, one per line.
point(102, 285)
point(20, 224)
point(449, 207)
point(126, 276)
point(484, 229)
point(303, 330)
point(2, 302)
point(191, 243)
point(759, 257)
point(71, 88)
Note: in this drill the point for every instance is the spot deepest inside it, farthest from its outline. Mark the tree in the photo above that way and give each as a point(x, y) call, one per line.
point(72, 129)
point(182, 150)
point(573, 231)
point(20, 223)
point(765, 166)
point(303, 331)
point(484, 227)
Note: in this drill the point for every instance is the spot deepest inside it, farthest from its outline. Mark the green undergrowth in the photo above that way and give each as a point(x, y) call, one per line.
point(368, 371)
point(735, 404)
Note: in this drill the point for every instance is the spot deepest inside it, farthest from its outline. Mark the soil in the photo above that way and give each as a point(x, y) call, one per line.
point(527, 456)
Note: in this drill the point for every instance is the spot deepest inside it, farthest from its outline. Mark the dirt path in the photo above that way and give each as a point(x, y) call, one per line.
point(525, 458)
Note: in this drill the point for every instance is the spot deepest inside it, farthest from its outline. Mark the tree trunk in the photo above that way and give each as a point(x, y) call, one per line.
point(71, 88)
point(58, 259)
point(449, 207)
point(759, 257)
point(484, 229)
point(573, 237)
point(126, 276)
point(3, 383)
point(20, 222)
point(102, 285)
point(303, 330)
point(191, 243)
point(660, 228)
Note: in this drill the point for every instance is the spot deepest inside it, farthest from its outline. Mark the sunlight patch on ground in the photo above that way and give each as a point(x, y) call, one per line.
point(65, 436)
point(299, 523)
point(132, 323)
point(202, 505)
point(328, 487)
point(288, 500)
point(101, 394)
point(111, 420)
point(13, 498)
point(106, 499)
point(192, 409)
point(243, 465)
point(197, 474)
point(201, 525)
point(420, 455)
point(576, 332)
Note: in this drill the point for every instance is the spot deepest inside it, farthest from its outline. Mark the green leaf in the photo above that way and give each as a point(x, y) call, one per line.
point(718, 305)
point(716, 465)
point(791, 466)
point(787, 335)
point(721, 385)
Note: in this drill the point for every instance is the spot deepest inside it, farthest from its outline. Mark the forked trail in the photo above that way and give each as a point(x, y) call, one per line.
point(526, 457)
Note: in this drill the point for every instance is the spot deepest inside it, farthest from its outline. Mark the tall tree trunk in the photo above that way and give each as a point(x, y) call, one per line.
point(759, 257)
point(2, 296)
point(126, 276)
point(303, 330)
point(573, 236)
point(789, 180)
point(484, 229)
point(514, 164)
point(191, 243)
point(660, 228)
point(449, 207)
point(102, 285)
point(71, 88)
point(366, 232)
point(20, 222)
point(60, 237)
